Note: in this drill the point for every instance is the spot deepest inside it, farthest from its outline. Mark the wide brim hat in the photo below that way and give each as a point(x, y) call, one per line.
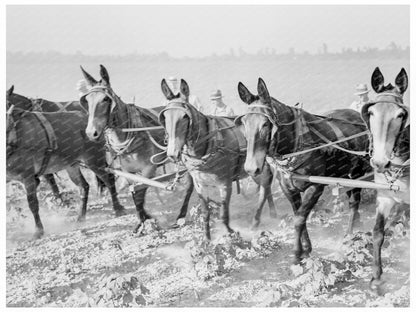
point(173, 78)
point(361, 89)
point(217, 94)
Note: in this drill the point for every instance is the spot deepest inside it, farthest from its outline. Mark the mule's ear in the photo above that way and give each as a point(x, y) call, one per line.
point(402, 81)
point(245, 94)
point(88, 78)
point(377, 80)
point(262, 91)
point(166, 90)
point(184, 88)
point(10, 91)
point(104, 75)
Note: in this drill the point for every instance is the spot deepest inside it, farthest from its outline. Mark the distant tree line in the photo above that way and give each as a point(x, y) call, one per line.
point(392, 51)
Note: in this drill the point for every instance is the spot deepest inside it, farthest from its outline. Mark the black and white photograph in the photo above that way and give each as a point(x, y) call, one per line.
point(207, 155)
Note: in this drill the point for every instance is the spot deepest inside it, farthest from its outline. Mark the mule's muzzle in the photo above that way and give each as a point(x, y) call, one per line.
point(253, 171)
point(174, 155)
point(92, 134)
point(380, 166)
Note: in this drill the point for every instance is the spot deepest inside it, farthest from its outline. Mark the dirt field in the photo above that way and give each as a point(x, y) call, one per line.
point(102, 263)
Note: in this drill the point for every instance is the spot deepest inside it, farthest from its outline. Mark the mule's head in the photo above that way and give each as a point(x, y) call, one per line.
point(98, 102)
point(176, 118)
point(13, 115)
point(17, 100)
point(385, 117)
point(257, 126)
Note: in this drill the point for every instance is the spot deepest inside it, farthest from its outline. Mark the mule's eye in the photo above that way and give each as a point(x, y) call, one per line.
point(401, 115)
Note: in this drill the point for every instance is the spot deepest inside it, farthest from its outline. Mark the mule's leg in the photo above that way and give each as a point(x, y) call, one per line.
point(139, 196)
point(354, 203)
point(262, 200)
point(189, 189)
point(206, 215)
point(303, 245)
point(383, 210)
point(31, 184)
point(295, 200)
point(225, 194)
point(84, 188)
point(272, 206)
point(265, 193)
point(110, 181)
point(54, 186)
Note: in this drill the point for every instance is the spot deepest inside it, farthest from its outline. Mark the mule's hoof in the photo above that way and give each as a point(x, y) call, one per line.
point(81, 218)
point(120, 212)
point(38, 234)
point(255, 226)
point(306, 254)
point(273, 214)
point(377, 286)
point(139, 228)
point(297, 260)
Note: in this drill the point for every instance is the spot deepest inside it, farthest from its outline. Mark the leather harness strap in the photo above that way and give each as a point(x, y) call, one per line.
point(52, 142)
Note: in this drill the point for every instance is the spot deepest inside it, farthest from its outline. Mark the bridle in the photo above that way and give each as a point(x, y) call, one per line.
point(379, 99)
point(272, 118)
point(182, 105)
point(118, 147)
point(100, 89)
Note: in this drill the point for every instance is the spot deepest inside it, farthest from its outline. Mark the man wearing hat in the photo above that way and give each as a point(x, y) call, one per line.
point(362, 93)
point(220, 109)
point(173, 83)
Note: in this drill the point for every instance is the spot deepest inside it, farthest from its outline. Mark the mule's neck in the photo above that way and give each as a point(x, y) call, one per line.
point(119, 118)
point(21, 101)
point(196, 140)
point(285, 140)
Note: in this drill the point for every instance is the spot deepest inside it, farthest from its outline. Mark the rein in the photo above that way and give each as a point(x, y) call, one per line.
point(295, 120)
point(203, 160)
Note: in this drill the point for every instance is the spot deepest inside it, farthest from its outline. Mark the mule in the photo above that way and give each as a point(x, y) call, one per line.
point(42, 105)
point(44, 143)
point(387, 119)
point(210, 147)
point(108, 114)
point(274, 129)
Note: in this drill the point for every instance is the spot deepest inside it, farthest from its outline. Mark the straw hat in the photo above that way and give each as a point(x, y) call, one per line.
point(216, 95)
point(361, 89)
point(172, 78)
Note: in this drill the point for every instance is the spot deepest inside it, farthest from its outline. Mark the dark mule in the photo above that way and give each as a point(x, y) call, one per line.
point(44, 143)
point(42, 105)
point(212, 150)
point(387, 119)
point(109, 114)
point(275, 129)
point(22, 102)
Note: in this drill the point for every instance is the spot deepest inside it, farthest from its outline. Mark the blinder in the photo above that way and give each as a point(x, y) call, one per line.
point(175, 104)
point(238, 122)
point(108, 92)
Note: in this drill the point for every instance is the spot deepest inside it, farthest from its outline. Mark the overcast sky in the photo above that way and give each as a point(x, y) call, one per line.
point(203, 30)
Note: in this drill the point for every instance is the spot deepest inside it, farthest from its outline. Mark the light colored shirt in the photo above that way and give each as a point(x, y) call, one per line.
point(224, 111)
point(357, 105)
